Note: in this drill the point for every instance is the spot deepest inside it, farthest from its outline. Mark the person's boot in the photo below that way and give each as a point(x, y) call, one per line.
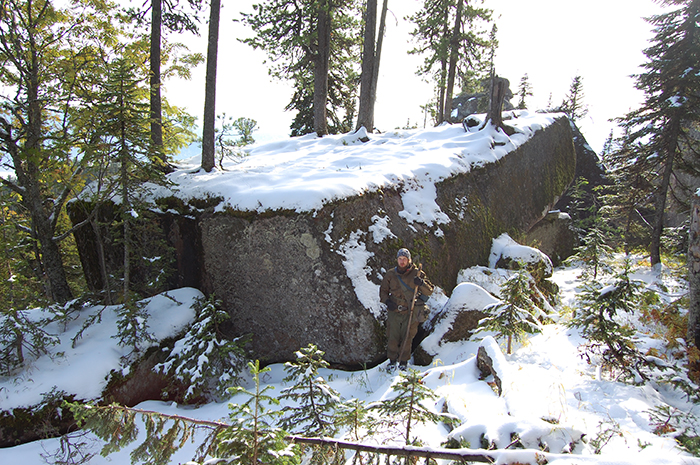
point(403, 366)
point(391, 366)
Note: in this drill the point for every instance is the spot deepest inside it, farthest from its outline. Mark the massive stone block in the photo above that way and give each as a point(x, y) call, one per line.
point(291, 279)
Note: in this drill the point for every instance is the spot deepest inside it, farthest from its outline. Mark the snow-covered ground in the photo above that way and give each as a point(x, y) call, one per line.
point(552, 398)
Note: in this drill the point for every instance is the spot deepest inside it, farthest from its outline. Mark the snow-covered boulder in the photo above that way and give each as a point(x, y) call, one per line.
point(508, 254)
point(457, 321)
point(295, 238)
point(554, 236)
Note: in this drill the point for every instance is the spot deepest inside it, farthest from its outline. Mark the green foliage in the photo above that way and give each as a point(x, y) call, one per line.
point(660, 142)
point(119, 426)
point(670, 421)
point(354, 415)
point(518, 314)
point(203, 360)
point(252, 437)
point(231, 135)
point(598, 318)
point(594, 252)
point(403, 411)
point(314, 401)
point(132, 325)
point(22, 336)
point(573, 101)
point(524, 91)
point(288, 34)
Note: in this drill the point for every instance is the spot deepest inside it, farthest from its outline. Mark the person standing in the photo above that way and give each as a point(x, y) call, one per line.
point(397, 291)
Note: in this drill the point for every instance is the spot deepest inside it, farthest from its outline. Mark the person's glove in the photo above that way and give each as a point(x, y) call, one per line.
point(391, 305)
point(418, 281)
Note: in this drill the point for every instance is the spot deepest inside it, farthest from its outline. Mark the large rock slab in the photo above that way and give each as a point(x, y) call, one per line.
point(291, 278)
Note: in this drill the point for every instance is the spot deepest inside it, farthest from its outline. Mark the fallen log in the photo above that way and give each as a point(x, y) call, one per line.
point(412, 451)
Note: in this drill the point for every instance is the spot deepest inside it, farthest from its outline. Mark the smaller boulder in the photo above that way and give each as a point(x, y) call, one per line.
point(554, 236)
point(457, 321)
point(508, 254)
point(491, 362)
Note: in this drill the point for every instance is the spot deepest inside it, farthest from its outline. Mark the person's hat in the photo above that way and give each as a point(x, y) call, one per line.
point(404, 253)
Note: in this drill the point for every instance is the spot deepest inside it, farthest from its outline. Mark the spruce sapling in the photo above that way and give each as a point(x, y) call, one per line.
point(515, 316)
point(315, 401)
point(252, 439)
point(132, 325)
point(406, 409)
point(21, 336)
point(202, 359)
point(598, 319)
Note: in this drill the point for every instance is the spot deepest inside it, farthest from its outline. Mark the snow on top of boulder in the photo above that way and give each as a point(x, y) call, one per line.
point(304, 173)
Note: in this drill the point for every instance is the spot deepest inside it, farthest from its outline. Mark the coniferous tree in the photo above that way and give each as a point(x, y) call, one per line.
point(599, 320)
point(253, 438)
point(524, 91)
point(450, 35)
point(573, 104)
point(315, 401)
point(517, 315)
point(231, 135)
point(628, 196)
point(202, 360)
point(661, 131)
point(406, 409)
point(594, 251)
point(23, 336)
point(308, 41)
point(124, 121)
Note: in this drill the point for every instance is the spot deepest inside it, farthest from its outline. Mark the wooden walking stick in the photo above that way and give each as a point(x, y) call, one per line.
point(410, 316)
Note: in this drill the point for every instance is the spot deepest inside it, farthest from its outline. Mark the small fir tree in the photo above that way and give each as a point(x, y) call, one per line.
point(517, 314)
point(314, 401)
point(23, 336)
point(594, 251)
point(252, 438)
point(203, 360)
point(132, 326)
point(407, 408)
point(598, 318)
point(573, 102)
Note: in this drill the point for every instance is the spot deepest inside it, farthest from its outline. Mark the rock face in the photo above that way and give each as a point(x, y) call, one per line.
point(285, 277)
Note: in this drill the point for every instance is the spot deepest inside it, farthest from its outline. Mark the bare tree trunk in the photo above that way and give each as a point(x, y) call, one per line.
point(660, 208)
point(208, 131)
point(498, 94)
point(371, 58)
point(454, 55)
point(378, 56)
point(156, 103)
point(43, 218)
point(443, 75)
point(323, 29)
point(364, 117)
point(693, 334)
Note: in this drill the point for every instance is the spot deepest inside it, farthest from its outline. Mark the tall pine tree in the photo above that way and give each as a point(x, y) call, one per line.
point(451, 36)
point(313, 43)
point(662, 128)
